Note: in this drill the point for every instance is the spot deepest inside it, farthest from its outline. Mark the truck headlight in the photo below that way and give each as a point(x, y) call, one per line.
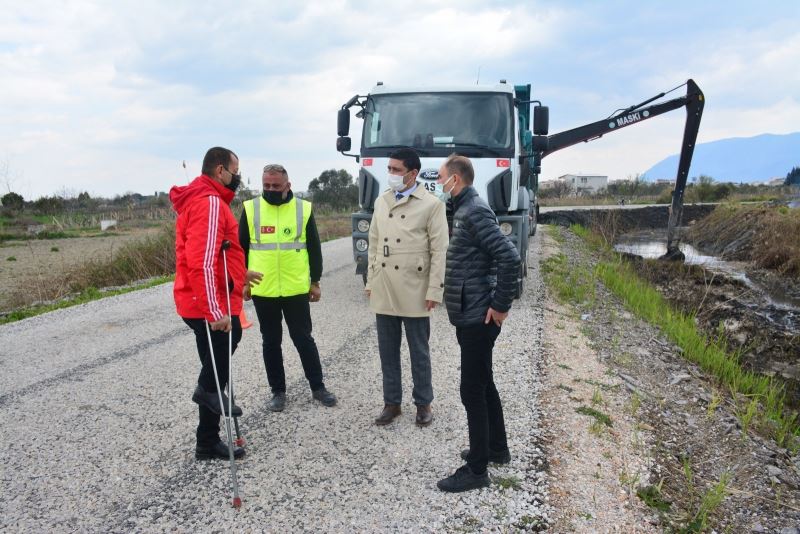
point(363, 226)
point(362, 245)
point(505, 228)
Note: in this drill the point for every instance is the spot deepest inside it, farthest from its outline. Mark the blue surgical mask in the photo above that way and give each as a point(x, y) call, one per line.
point(440, 193)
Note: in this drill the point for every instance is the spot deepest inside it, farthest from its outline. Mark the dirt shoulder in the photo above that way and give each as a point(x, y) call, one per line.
point(594, 467)
point(675, 437)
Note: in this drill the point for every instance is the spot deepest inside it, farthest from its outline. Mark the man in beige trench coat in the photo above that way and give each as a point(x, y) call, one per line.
point(408, 241)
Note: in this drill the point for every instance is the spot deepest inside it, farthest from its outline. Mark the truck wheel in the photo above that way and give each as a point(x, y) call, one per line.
point(521, 280)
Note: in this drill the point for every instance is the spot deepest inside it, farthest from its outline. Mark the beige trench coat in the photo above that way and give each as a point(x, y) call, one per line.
point(408, 241)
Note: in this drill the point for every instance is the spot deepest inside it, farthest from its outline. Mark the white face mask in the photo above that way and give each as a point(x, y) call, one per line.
point(396, 182)
point(440, 193)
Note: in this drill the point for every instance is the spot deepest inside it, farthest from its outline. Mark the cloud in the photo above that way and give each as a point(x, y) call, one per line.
point(112, 97)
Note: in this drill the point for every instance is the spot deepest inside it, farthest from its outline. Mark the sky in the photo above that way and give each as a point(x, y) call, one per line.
point(112, 97)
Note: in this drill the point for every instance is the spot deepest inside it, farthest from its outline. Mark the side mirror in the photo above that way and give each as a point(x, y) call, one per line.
point(541, 120)
point(343, 122)
point(343, 143)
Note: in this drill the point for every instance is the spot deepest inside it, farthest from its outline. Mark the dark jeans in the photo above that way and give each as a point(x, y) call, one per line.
point(418, 332)
point(296, 310)
point(487, 429)
point(208, 427)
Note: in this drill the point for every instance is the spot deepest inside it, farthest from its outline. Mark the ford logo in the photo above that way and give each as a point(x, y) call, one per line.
point(429, 174)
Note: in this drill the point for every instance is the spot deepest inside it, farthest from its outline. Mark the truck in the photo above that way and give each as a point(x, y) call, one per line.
point(506, 135)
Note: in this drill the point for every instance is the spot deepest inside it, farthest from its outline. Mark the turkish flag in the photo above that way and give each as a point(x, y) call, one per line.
point(267, 229)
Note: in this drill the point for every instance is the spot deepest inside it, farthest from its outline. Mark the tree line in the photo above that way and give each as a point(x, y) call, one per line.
point(332, 189)
point(701, 188)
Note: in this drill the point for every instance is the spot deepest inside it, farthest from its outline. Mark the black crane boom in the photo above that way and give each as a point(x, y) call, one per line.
point(693, 101)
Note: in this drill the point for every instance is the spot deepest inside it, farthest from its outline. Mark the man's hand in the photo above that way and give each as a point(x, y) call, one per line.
point(253, 278)
point(368, 292)
point(496, 316)
point(223, 324)
point(246, 294)
point(430, 304)
point(315, 293)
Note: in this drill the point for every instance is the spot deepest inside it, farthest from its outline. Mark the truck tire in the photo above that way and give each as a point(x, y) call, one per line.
point(523, 271)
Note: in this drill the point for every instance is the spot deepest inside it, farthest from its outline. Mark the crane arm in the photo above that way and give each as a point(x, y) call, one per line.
point(623, 118)
point(693, 102)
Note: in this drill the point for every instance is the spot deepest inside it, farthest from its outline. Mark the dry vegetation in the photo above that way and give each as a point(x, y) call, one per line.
point(767, 235)
point(36, 271)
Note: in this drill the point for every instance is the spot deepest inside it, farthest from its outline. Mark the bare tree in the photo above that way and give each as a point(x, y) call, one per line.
point(5, 176)
point(562, 188)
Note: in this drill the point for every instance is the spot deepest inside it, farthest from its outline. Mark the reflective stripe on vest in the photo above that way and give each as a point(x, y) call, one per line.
point(279, 250)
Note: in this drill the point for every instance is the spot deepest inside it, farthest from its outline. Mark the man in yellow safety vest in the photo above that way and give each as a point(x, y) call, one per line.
point(280, 240)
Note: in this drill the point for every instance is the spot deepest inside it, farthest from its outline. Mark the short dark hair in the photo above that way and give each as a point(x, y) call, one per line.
point(460, 165)
point(409, 157)
point(217, 156)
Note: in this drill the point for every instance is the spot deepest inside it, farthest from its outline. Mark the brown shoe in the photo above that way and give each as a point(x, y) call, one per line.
point(390, 411)
point(424, 414)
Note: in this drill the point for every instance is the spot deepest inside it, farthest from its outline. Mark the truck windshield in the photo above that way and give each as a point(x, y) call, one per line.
point(439, 122)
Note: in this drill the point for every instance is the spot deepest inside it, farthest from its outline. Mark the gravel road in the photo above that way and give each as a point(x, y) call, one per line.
point(98, 425)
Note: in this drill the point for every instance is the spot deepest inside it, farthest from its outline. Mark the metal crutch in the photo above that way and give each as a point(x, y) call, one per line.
point(239, 441)
point(237, 501)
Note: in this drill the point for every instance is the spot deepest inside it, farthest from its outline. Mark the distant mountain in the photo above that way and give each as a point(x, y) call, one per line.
point(738, 159)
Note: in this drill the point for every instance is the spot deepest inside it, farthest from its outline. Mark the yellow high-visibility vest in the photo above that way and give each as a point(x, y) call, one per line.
point(278, 246)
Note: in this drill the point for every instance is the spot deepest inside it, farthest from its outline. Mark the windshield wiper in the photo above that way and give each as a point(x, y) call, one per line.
point(420, 151)
point(492, 151)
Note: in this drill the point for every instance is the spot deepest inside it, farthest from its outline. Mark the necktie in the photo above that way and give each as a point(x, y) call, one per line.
point(398, 196)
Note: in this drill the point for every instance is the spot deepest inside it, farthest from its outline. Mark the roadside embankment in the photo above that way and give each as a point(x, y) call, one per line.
point(624, 219)
point(699, 453)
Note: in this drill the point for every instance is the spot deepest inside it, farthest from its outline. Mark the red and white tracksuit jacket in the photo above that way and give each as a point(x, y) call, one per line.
point(204, 221)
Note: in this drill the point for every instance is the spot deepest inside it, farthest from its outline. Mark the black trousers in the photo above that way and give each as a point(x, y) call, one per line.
point(487, 429)
point(208, 426)
point(296, 310)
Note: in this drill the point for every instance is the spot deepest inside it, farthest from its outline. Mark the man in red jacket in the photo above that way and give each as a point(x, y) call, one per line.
point(204, 222)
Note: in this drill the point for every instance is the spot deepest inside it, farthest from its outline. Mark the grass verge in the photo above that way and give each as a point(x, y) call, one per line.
point(711, 354)
point(151, 258)
point(762, 399)
point(87, 295)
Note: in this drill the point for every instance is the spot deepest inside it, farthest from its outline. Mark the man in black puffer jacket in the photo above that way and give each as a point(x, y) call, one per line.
point(480, 283)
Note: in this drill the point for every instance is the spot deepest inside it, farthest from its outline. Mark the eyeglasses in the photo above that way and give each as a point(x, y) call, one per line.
point(275, 168)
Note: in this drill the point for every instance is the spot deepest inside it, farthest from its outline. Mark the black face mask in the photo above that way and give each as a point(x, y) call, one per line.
point(273, 197)
point(236, 179)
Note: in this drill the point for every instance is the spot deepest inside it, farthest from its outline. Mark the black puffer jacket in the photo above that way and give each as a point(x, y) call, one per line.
point(482, 264)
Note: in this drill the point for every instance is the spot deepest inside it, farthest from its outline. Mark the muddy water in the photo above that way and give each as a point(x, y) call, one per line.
point(650, 245)
point(758, 310)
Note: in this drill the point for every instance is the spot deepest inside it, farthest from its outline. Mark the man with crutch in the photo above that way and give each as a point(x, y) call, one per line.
point(209, 283)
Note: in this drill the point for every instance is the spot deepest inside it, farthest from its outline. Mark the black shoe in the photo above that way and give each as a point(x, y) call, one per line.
point(278, 402)
point(218, 450)
point(210, 399)
point(502, 457)
point(464, 480)
point(325, 397)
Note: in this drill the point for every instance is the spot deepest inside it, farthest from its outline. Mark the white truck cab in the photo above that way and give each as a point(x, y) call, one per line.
point(480, 122)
